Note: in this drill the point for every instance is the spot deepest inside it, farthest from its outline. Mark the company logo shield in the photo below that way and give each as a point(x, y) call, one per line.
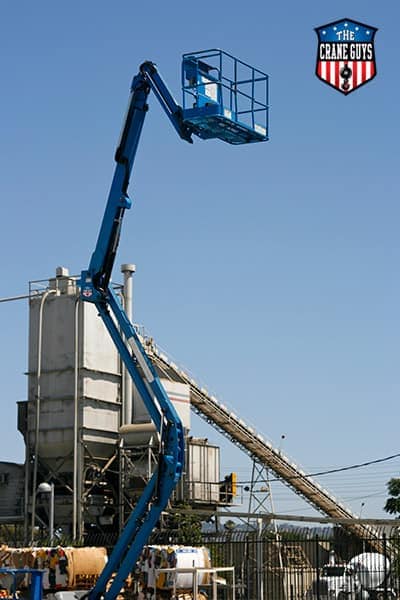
point(346, 54)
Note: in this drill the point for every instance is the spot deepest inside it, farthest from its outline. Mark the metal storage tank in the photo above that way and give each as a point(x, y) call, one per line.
point(73, 414)
point(73, 379)
point(178, 393)
point(202, 471)
point(72, 417)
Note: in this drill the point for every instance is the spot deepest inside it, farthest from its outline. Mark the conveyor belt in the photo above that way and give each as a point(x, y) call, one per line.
point(229, 424)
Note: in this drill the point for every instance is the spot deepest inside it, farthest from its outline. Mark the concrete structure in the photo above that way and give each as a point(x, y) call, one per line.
point(74, 400)
point(75, 420)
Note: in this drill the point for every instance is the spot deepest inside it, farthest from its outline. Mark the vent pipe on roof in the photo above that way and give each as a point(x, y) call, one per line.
point(128, 270)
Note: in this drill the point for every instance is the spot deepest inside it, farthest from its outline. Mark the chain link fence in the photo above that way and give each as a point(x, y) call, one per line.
point(318, 563)
point(307, 564)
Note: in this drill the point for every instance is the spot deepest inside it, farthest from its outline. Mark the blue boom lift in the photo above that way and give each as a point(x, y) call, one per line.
point(228, 100)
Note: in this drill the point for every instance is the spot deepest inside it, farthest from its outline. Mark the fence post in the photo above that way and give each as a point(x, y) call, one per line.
point(317, 561)
point(385, 567)
point(259, 550)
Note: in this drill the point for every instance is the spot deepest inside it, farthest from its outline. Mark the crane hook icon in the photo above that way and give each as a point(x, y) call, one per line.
point(346, 73)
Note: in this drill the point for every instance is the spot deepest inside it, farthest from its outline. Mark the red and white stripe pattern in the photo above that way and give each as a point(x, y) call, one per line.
point(329, 71)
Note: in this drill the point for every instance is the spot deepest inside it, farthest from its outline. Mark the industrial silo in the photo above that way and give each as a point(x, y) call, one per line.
point(72, 420)
point(74, 401)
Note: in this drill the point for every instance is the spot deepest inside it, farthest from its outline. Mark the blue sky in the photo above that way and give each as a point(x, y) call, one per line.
point(271, 270)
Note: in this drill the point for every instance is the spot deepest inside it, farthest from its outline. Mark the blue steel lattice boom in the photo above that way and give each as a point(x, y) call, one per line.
point(95, 288)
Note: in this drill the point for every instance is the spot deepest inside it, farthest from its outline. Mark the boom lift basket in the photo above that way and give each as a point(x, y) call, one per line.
point(224, 97)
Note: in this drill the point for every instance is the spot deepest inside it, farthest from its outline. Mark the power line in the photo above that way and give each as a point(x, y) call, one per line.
point(11, 298)
point(338, 470)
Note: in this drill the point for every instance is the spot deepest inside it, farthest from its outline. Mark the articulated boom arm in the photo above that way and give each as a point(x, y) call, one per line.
point(171, 456)
point(98, 275)
point(95, 288)
point(208, 118)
